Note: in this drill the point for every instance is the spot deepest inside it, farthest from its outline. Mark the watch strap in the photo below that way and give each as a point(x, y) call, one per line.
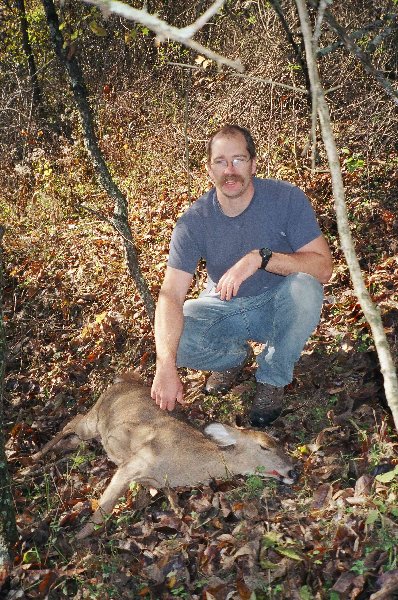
point(265, 254)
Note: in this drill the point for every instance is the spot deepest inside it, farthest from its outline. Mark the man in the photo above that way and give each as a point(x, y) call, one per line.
point(266, 260)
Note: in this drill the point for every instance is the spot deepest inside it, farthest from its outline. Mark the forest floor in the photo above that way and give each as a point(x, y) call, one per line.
point(74, 320)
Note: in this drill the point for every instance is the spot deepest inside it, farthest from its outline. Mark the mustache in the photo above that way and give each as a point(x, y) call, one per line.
point(232, 178)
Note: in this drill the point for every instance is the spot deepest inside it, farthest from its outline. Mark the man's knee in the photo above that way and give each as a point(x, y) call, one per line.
point(205, 307)
point(299, 304)
point(190, 308)
point(305, 290)
point(300, 298)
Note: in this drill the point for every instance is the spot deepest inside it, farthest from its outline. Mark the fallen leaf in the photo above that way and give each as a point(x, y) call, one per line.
point(46, 583)
point(363, 485)
point(289, 553)
point(322, 496)
point(389, 476)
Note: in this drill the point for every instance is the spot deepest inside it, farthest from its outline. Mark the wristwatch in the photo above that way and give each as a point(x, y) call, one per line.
point(265, 254)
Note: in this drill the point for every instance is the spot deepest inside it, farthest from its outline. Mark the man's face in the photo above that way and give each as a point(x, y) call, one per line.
point(232, 180)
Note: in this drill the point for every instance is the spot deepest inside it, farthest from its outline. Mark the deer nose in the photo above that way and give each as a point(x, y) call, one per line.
point(294, 475)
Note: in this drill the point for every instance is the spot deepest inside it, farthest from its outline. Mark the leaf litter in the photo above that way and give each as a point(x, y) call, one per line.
point(331, 535)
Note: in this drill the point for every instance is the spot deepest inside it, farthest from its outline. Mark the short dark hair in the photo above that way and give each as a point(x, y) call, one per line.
point(232, 130)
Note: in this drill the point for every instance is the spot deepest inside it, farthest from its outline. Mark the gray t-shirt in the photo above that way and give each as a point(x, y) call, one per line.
point(279, 217)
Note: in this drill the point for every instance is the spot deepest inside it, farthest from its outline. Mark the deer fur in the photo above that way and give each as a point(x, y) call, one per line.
point(157, 449)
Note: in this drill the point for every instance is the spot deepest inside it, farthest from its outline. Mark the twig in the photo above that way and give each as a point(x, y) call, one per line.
point(270, 82)
point(201, 21)
point(186, 66)
point(314, 120)
point(186, 124)
point(359, 33)
point(362, 56)
point(102, 217)
point(244, 76)
point(296, 47)
point(333, 89)
point(319, 19)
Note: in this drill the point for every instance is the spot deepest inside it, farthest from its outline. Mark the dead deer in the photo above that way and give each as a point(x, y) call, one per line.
point(156, 449)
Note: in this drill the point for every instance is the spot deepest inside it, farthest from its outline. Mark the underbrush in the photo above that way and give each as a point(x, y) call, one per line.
point(74, 319)
point(330, 534)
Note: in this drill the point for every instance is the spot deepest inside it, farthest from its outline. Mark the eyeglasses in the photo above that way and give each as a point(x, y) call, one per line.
point(237, 163)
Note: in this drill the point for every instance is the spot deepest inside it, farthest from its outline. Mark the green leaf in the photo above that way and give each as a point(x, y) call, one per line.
point(267, 564)
point(387, 477)
point(270, 539)
point(289, 553)
point(305, 593)
point(130, 36)
point(97, 29)
point(372, 517)
point(30, 556)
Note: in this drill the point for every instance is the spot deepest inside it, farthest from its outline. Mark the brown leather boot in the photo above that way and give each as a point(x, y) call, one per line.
point(220, 382)
point(267, 405)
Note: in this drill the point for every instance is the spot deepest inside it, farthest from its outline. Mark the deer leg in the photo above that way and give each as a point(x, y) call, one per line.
point(67, 430)
point(117, 486)
point(47, 447)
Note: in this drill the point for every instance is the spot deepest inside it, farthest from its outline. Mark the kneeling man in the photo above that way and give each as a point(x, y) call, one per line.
point(266, 261)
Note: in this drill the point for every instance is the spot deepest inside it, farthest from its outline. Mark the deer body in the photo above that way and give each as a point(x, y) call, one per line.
point(154, 448)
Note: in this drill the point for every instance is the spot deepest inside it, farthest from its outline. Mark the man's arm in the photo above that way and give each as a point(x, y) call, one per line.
point(167, 387)
point(314, 258)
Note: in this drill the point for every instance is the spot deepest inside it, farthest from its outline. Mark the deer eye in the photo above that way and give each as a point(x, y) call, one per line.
point(265, 448)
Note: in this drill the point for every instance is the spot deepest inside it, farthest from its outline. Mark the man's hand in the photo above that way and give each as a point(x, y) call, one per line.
point(230, 282)
point(167, 388)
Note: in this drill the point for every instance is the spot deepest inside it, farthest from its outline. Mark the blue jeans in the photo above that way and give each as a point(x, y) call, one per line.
point(216, 332)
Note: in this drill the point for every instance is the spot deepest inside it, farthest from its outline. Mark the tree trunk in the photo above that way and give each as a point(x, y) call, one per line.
point(371, 312)
point(120, 215)
point(8, 528)
point(27, 48)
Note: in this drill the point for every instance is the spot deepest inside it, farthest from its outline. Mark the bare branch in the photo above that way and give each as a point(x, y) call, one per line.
point(314, 122)
point(362, 56)
point(247, 77)
point(370, 310)
point(112, 222)
point(314, 116)
point(319, 20)
point(379, 38)
point(359, 33)
point(190, 31)
point(296, 47)
point(270, 82)
point(165, 31)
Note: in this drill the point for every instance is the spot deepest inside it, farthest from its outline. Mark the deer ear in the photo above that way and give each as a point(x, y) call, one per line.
point(220, 435)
